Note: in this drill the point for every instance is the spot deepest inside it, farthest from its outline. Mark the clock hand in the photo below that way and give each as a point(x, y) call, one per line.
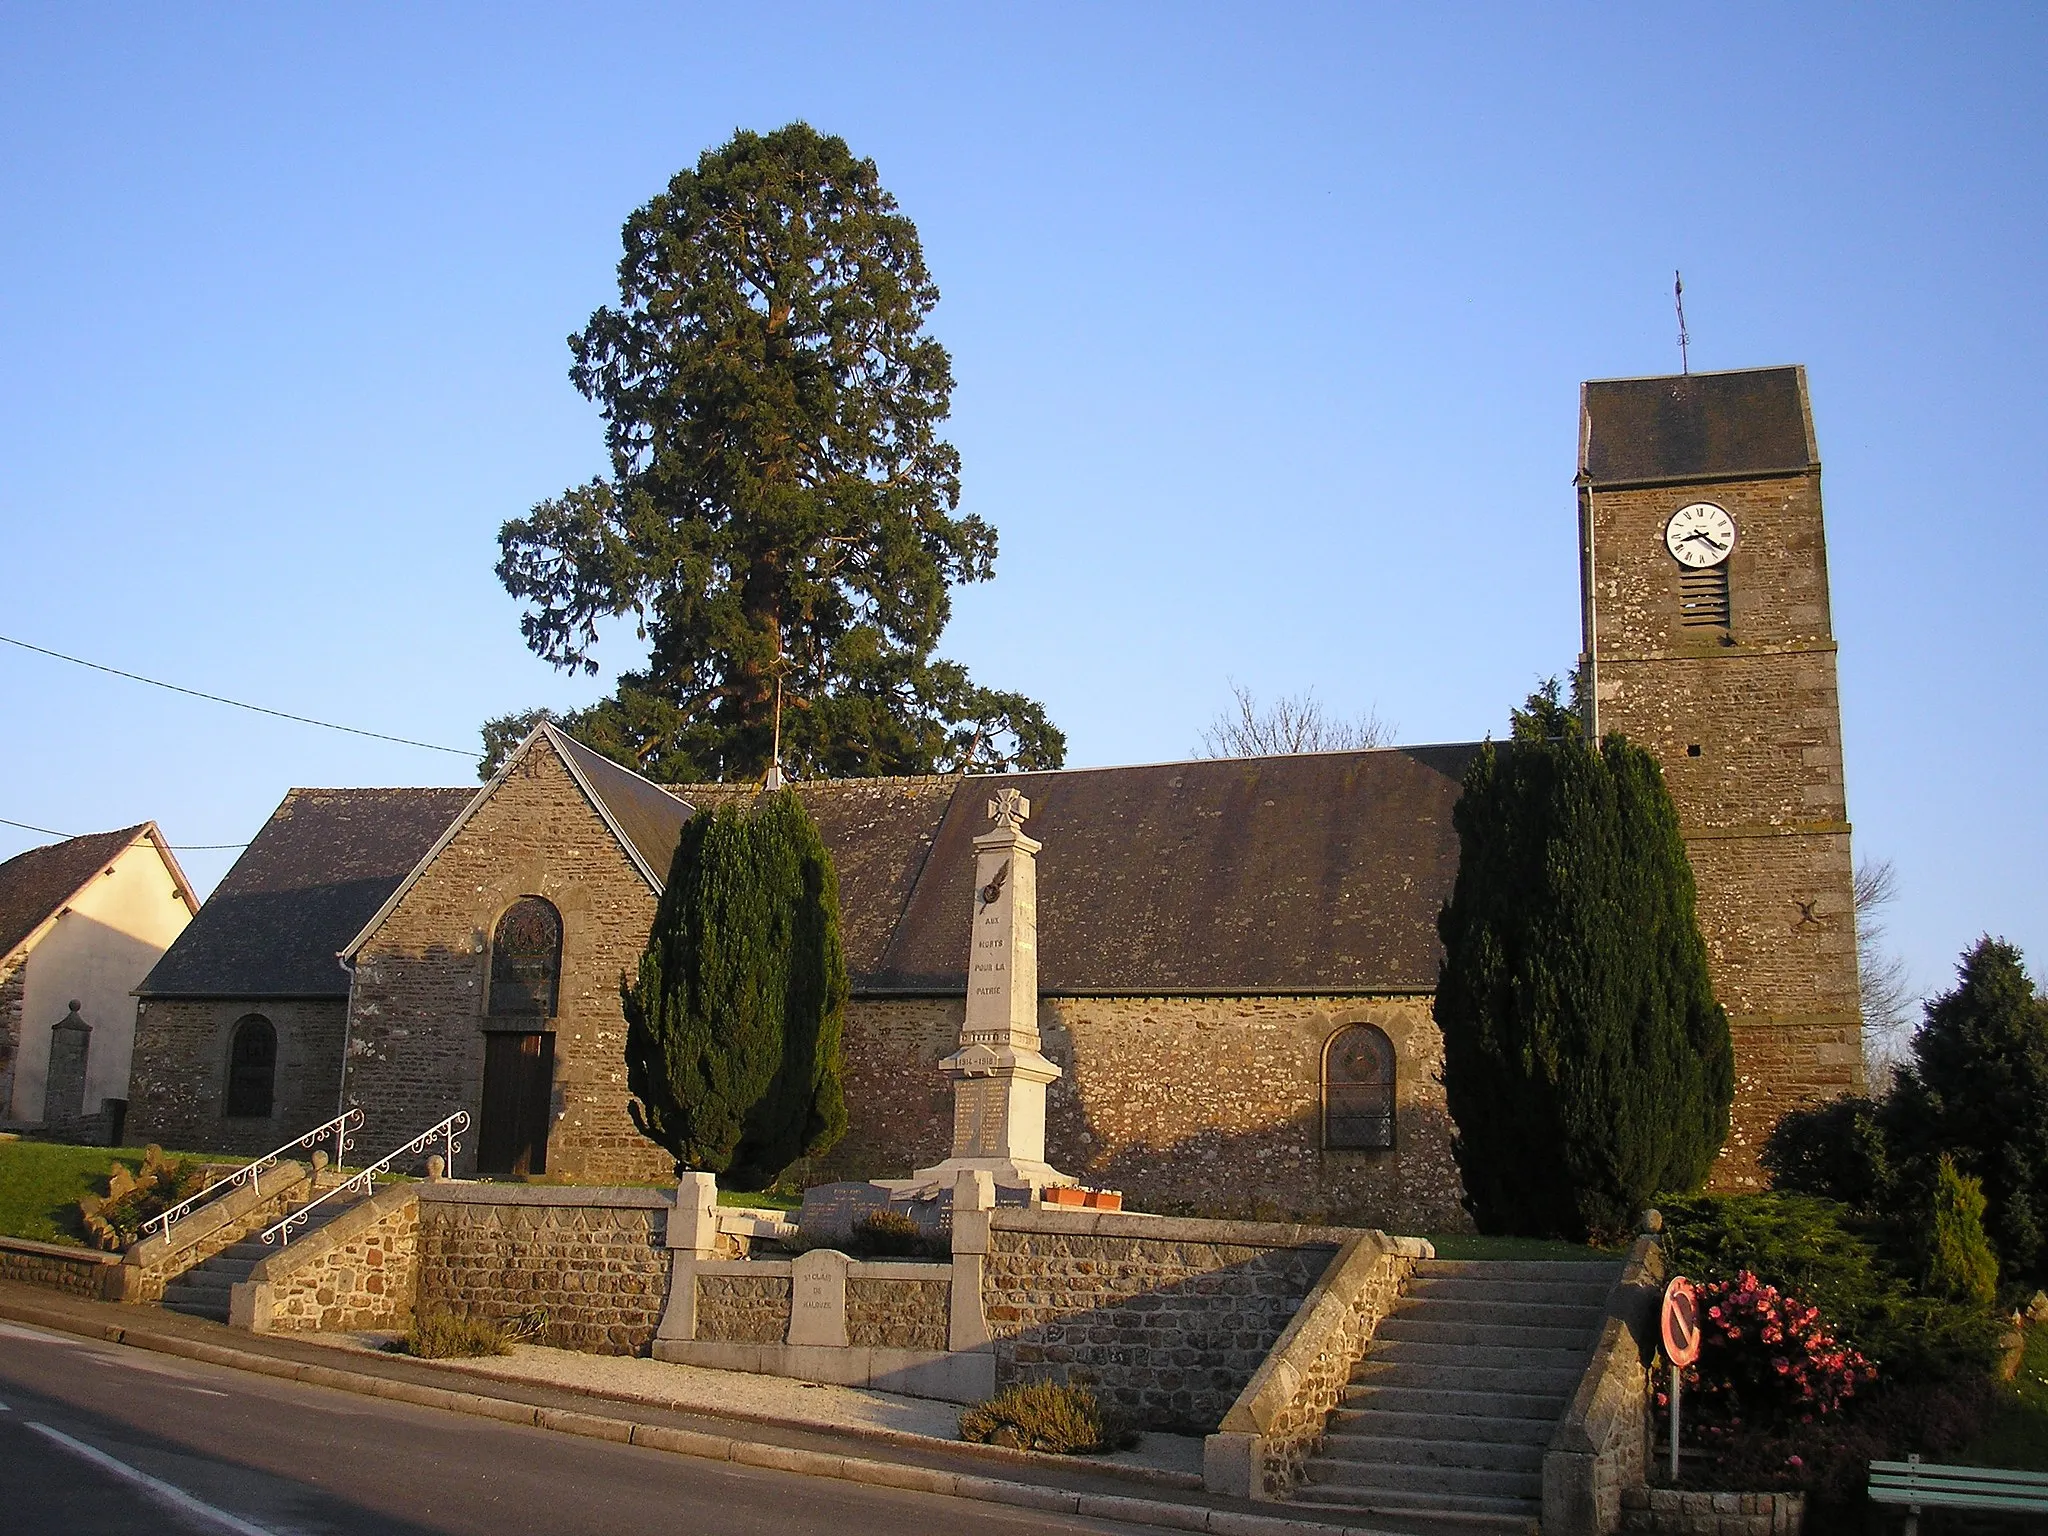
point(1704, 537)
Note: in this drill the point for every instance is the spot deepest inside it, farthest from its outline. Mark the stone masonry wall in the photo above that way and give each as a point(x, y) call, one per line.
point(178, 1083)
point(1206, 1106)
point(417, 1012)
point(351, 1275)
point(739, 1309)
point(76, 1272)
point(897, 1314)
point(1747, 728)
point(1679, 1512)
point(1166, 1318)
point(595, 1259)
point(13, 988)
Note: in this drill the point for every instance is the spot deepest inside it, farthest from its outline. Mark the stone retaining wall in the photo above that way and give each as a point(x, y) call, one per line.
point(897, 1314)
point(595, 1259)
point(1166, 1318)
point(81, 1272)
point(1276, 1424)
point(356, 1272)
point(1677, 1512)
point(739, 1309)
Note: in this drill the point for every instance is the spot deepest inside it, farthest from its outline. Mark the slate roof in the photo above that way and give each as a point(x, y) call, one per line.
point(1318, 872)
point(1642, 431)
point(649, 816)
point(322, 864)
point(880, 832)
point(1314, 873)
point(33, 885)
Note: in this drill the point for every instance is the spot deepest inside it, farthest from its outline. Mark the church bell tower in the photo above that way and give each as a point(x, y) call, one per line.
point(1707, 641)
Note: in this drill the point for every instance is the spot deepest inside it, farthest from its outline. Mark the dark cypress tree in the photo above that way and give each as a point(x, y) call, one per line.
point(733, 1024)
point(1977, 1087)
point(1586, 1063)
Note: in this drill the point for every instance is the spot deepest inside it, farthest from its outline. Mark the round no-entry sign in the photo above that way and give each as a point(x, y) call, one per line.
point(1681, 1322)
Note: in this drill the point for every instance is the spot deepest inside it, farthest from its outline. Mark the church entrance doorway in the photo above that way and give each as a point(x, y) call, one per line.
point(519, 1076)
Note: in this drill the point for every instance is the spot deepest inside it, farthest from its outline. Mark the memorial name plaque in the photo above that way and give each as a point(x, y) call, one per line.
point(832, 1211)
point(817, 1298)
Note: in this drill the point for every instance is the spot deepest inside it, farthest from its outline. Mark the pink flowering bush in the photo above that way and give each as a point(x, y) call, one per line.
point(1767, 1362)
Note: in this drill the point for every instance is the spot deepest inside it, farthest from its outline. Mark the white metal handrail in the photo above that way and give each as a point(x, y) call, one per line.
point(366, 1181)
point(340, 1126)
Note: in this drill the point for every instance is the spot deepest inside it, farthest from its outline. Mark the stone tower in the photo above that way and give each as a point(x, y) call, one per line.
point(1704, 603)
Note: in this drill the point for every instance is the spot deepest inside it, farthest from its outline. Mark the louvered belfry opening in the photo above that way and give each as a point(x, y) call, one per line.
point(1703, 598)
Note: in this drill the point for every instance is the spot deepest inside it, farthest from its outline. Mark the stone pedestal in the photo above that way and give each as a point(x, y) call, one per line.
point(64, 1086)
point(999, 1076)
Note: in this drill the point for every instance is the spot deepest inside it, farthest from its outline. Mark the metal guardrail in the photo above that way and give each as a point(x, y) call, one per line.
point(366, 1181)
point(339, 1127)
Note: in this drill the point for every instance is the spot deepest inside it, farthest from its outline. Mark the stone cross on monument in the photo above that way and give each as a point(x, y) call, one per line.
point(998, 1075)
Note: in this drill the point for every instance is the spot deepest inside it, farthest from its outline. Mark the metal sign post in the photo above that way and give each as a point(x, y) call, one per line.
point(1679, 1322)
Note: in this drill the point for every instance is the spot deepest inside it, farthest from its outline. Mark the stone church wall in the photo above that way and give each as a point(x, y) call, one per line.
point(179, 1080)
point(417, 1012)
point(1208, 1106)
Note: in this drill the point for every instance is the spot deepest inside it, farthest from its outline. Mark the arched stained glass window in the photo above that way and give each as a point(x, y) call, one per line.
point(252, 1069)
point(1358, 1090)
point(526, 959)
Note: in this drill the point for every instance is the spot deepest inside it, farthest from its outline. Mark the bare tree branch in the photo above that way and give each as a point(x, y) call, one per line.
point(1291, 723)
point(1884, 986)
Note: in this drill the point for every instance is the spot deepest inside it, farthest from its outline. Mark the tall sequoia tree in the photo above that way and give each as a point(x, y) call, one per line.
point(780, 505)
point(1586, 1063)
point(733, 1023)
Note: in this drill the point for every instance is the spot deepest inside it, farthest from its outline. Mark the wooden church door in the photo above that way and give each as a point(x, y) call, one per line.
point(519, 1078)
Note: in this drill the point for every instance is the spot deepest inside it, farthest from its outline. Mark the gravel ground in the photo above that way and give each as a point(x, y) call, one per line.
point(740, 1393)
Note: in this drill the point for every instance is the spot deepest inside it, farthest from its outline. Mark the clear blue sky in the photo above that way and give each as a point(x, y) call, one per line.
point(1268, 323)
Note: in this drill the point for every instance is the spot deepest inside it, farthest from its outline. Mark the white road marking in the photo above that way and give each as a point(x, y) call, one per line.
point(5, 1409)
point(38, 1336)
point(156, 1488)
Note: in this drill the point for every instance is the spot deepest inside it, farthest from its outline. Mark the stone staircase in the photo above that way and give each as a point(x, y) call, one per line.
point(1447, 1416)
point(204, 1289)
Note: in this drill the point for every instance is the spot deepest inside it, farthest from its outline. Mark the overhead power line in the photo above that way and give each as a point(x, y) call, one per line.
point(177, 847)
point(214, 698)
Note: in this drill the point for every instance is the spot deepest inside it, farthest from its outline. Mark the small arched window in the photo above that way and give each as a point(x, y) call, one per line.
point(1358, 1090)
point(252, 1069)
point(526, 959)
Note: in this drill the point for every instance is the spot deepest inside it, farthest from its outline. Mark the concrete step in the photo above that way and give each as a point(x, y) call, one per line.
point(1558, 1381)
point(1430, 1451)
point(1569, 1293)
point(1494, 1356)
point(1396, 1423)
point(1413, 1328)
point(1509, 1309)
point(1445, 1482)
point(1544, 1409)
point(205, 1309)
point(1606, 1272)
point(1521, 1517)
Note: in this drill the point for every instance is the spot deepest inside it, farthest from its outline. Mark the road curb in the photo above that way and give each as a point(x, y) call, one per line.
point(684, 1442)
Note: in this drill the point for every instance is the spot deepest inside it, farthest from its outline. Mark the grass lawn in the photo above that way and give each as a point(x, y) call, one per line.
point(2018, 1436)
point(1471, 1245)
point(764, 1200)
point(40, 1182)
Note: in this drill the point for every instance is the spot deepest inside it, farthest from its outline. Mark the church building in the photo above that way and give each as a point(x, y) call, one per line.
point(1237, 957)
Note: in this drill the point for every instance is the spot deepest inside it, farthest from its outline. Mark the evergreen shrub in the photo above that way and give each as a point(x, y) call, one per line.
point(1977, 1090)
point(734, 1021)
point(1960, 1262)
point(1047, 1416)
point(1852, 1269)
point(1586, 1063)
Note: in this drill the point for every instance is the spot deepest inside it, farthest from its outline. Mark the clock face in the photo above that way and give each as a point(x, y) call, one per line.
point(1700, 535)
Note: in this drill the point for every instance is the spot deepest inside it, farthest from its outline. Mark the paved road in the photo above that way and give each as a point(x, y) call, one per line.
point(102, 1440)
